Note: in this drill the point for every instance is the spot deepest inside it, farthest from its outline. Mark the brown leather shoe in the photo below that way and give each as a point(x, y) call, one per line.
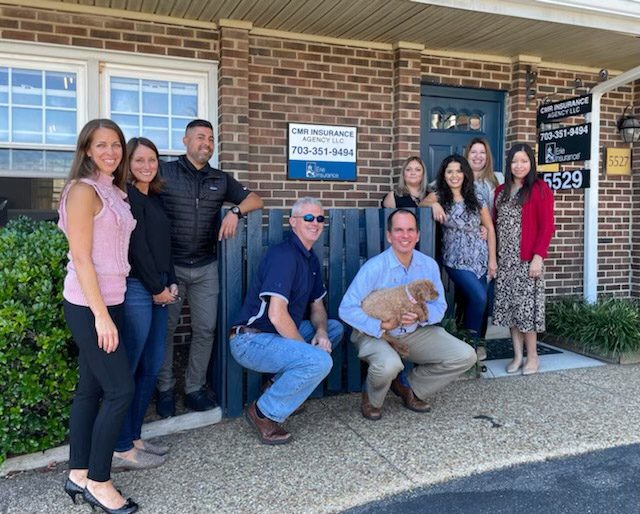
point(409, 399)
point(368, 410)
point(269, 431)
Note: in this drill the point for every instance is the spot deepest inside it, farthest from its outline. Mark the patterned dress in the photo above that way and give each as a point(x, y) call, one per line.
point(519, 300)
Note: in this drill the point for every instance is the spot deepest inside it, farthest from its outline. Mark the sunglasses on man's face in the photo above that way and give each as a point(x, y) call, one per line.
point(310, 217)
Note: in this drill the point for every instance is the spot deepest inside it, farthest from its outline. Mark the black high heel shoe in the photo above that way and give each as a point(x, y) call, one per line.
point(73, 490)
point(128, 508)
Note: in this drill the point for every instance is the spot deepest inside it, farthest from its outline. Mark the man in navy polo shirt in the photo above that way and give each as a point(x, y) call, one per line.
point(270, 335)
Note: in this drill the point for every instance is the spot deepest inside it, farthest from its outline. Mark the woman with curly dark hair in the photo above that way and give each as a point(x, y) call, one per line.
point(469, 260)
point(524, 219)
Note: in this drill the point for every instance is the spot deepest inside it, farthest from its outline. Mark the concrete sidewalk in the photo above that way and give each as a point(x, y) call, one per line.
point(339, 459)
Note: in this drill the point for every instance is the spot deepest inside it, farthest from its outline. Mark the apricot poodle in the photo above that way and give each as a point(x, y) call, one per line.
point(392, 302)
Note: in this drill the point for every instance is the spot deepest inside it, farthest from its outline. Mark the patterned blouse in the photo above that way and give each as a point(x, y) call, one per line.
point(462, 247)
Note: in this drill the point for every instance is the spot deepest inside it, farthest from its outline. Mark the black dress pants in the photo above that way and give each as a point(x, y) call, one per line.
point(105, 390)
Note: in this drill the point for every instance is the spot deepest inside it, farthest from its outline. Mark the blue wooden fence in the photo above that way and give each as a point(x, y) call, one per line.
point(350, 237)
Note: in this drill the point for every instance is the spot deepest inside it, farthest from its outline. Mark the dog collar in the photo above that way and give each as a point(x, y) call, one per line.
point(411, 298)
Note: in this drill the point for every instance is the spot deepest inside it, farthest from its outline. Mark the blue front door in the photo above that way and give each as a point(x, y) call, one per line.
point(451, 116)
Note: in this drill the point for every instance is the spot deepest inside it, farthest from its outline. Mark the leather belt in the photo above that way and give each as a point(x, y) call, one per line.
point(242, 329)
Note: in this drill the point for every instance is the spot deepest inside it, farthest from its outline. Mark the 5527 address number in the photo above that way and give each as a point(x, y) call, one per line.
point(568, 179)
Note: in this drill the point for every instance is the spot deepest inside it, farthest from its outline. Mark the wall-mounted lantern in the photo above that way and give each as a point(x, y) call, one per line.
point(629, 127)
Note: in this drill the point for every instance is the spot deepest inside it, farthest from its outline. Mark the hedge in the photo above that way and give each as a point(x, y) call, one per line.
point(38, 370)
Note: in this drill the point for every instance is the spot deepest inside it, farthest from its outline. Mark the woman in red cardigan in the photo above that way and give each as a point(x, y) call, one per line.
point(524, 225)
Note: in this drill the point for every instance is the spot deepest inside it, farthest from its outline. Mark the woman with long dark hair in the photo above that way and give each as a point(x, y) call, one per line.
point(151, 285)
point(469, 260)
point(97, 222)
point(525, 225)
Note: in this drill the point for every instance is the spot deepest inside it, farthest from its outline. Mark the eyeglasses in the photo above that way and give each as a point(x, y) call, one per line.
point(310, 217)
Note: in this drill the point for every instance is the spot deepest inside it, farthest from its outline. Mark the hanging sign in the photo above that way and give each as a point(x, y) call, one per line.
point(565, 144)
point(322, 152)
point(548, 113)
point(618, 161)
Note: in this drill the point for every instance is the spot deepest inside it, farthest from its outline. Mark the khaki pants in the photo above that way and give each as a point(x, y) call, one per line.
point(439, 359)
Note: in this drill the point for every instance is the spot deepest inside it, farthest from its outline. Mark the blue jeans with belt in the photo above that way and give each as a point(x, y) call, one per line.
point(143, 336)
point(298, 367)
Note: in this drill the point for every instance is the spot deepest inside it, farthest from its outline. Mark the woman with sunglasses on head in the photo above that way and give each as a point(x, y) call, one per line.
point(97, 222)
point(412, 185)
point(469, 260)
point(525, 225)
point(151, 285)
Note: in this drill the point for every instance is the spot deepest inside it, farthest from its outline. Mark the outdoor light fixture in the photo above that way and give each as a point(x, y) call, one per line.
point(629, 127)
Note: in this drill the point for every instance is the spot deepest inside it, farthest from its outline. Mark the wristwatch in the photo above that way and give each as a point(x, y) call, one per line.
point(236, 210)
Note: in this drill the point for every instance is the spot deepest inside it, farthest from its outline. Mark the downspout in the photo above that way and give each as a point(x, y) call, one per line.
point(590, 272)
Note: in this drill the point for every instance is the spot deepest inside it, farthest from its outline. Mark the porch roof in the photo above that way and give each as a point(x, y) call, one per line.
point(589, 33)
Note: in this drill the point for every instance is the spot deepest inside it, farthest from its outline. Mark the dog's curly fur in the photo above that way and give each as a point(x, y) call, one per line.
point(392, 302)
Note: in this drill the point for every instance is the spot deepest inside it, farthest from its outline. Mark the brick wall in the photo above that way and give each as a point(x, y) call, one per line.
point(108, 33)
point(291, 81)
point(266, 82)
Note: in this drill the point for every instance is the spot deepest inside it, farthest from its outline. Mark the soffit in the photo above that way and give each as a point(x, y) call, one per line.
point(437, 27)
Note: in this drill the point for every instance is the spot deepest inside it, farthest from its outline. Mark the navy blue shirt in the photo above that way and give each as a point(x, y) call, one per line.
point(289, 271)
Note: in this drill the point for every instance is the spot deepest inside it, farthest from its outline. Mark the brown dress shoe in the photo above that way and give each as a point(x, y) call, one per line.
point(368, 410)
point(269, 431)
point(409, 399)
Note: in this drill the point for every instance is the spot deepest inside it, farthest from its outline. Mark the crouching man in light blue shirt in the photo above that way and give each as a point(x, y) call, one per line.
point(439, 357)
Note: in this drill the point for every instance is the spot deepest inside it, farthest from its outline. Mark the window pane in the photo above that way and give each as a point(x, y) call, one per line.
point(155, 97)
point(4, 86)
point(61, 127)
point(475, 122)
point(176, 139)
point(156, 128)
point(35, 162)
point(26, 125)
point(129, 124)
point(184, 99)
point(26, 87)
point(61, 89)
point(125, 95)
point(4, 124)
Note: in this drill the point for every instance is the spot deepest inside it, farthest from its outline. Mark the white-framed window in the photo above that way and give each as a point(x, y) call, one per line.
point(40, 114)
point(153, 103)
point(48, 92)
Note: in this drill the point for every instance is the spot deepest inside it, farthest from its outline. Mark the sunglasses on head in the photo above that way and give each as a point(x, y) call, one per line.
point(310, 217)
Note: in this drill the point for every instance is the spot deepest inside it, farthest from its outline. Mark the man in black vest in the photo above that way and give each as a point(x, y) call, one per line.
point(193, 194)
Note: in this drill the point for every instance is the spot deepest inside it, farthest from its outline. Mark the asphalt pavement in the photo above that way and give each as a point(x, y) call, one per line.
point(601, 482)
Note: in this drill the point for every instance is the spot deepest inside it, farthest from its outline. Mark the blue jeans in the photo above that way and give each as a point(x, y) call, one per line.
point(298, 367)
point(143, 336)
point(474, 290)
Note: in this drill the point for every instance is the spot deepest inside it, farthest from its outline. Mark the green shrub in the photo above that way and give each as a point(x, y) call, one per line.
point(38, 368)
point(611, 325)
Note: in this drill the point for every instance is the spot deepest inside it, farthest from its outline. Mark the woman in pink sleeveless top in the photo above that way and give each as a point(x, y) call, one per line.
point(98, 223)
